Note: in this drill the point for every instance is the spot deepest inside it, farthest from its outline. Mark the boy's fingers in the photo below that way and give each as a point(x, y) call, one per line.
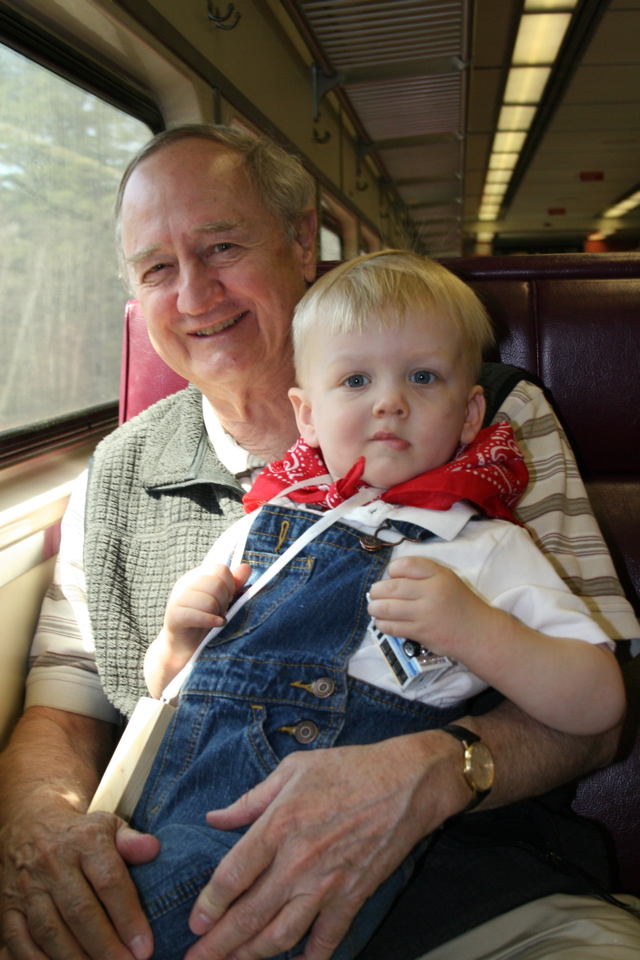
point(414, 568)
point(241, 574)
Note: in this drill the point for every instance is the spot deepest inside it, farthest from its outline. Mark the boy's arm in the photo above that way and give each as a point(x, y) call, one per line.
point(197, 604)
point(565, 683)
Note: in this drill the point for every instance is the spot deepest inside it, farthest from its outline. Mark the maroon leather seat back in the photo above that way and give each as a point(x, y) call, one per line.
point(144, 376)
point(574, 322)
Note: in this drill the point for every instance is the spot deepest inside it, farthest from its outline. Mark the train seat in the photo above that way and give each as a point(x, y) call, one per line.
point(573, 321)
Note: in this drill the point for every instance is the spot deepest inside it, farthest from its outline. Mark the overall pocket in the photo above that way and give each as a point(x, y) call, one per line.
point(213, 753)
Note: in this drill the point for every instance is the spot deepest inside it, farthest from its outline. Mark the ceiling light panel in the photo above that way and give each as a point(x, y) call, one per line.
point(558, 5)
point(494, 190)
point(503, 161)
point(526, 84)
point(498, 176)
point(539, 38)
point(509, 141)
point(518, 117)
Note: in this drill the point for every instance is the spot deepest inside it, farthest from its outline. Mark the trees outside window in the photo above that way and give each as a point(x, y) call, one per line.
point(62, 153)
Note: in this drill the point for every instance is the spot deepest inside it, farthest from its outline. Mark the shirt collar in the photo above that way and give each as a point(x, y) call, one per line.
point(446, 524)
point(243, 465)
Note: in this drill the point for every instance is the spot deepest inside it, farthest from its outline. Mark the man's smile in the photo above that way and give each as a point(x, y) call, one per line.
point(216, 328)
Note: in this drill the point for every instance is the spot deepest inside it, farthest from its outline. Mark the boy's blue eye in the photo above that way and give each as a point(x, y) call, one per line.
point(422, 376)
point(356, 380)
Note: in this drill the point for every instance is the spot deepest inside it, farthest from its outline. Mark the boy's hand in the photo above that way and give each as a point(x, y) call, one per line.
point(199, 602)
point(424, 601)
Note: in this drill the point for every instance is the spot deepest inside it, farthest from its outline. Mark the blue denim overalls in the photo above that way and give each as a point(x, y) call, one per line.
point(273, 681)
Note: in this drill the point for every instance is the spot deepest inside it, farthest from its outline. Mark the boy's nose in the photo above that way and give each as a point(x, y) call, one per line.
point(390, 403)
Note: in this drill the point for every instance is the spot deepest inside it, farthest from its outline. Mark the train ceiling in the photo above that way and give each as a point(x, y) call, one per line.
point(425, 82)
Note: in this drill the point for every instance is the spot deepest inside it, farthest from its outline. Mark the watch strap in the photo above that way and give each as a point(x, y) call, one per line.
point(463, 734)
point(467, 738)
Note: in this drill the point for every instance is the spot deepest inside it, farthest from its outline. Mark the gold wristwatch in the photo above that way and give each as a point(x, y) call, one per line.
point(478, 766)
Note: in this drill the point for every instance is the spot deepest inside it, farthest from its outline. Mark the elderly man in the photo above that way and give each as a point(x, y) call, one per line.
point(217, 233)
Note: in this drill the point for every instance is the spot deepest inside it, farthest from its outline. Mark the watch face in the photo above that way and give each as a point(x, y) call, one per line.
point(479, 766)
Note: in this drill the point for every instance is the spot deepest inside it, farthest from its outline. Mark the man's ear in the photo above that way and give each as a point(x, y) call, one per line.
point(306, 237)
point(476, 408)
point(304, 416)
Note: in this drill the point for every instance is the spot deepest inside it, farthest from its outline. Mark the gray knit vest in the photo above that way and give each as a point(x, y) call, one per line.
point(158, 498)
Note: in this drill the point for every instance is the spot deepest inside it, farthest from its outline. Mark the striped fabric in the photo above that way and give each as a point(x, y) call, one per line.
point(557, 512)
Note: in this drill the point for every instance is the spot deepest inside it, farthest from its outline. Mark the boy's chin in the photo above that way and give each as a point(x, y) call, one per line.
point(383, 479)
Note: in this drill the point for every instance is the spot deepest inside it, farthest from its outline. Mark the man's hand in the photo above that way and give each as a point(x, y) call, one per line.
point(66, 889)
point(328, 827)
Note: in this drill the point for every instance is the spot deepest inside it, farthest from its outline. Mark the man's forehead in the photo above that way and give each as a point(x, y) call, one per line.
point(196, 169)
point(195, 150)
point(199, 194)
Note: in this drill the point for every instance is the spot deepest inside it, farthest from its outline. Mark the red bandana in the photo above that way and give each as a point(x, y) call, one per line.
point(490, 472)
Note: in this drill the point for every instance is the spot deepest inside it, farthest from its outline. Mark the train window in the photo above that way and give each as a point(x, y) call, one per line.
point(330, 242)
point(62, 152)
point(339, 232)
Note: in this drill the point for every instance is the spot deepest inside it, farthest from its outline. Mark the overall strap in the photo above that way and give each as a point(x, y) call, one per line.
point(326, 520)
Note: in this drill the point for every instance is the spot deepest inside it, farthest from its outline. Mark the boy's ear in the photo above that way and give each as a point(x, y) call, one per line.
point(304, 415)
point(476, 409)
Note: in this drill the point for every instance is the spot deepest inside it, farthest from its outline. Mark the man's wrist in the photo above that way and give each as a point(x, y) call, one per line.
point(477, 768)
point(445, 792)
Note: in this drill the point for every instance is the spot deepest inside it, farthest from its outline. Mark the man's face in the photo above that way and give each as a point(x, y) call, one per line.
point(210, 266)
point(399, 397)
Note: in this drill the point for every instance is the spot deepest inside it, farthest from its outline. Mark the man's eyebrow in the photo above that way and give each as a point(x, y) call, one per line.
point(209, 227)
point(137, 258)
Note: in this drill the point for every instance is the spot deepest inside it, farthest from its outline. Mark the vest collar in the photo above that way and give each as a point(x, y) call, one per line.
point(182, 455)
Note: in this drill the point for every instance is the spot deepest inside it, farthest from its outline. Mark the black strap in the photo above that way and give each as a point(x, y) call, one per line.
point(498, 380)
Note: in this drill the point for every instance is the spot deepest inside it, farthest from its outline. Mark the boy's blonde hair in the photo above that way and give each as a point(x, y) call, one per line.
point(381, 289)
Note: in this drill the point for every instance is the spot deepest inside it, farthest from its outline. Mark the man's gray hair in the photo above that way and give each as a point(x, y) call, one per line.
point(286, 189)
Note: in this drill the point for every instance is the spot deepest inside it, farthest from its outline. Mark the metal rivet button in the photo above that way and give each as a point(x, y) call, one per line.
point(306, 731)
point(323, 687)
point(371, 544)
